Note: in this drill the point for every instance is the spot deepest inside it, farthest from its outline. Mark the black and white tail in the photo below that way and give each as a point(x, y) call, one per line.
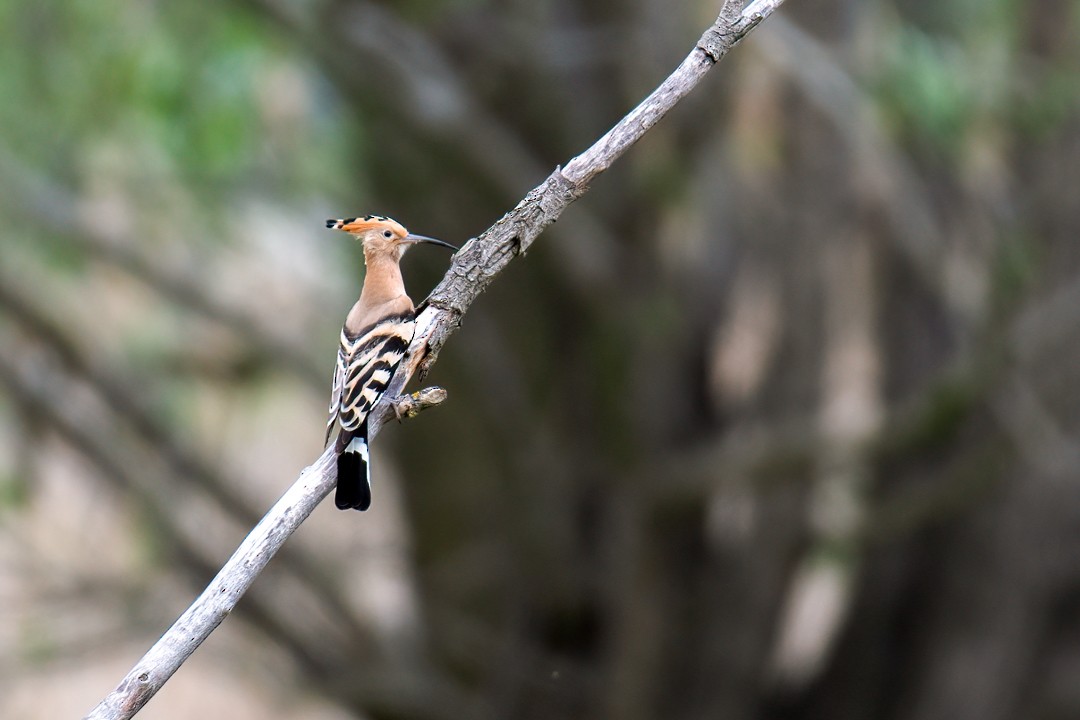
point(354, 475)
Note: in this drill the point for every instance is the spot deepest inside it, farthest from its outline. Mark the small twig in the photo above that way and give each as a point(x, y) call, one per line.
point(473, 269)
point(409, 406)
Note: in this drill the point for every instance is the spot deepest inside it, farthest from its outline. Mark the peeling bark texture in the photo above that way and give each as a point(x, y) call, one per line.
point(473, 269)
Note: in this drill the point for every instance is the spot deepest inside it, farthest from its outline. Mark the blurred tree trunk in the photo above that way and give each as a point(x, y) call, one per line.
point(782, 420)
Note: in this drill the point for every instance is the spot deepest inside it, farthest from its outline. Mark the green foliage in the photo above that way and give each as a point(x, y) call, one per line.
point(926, 90)
point(1015, 269)
point(13, 492)
point(937, 421)
point(942, 80)
point(164, 99)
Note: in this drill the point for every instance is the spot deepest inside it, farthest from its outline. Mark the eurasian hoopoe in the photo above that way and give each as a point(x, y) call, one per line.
point(376, 335)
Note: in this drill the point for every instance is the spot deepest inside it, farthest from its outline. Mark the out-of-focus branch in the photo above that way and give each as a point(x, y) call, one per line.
point(117, 396)
point(884, 171)
point(473, 269)
point(54, 207)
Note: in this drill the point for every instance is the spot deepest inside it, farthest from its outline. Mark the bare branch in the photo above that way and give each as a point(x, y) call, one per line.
point(435, 101)
point(221, 595)
point(473, 269)
point(482, 258)
point(188, 471)
point(411, 405)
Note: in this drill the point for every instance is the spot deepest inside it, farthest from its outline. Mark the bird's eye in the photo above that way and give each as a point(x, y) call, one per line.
point(387, 233)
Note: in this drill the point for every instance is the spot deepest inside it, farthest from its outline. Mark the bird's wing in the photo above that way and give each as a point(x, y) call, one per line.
point(366, 363)
point(340, 368)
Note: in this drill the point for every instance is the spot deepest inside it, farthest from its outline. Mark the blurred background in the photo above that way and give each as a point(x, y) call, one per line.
point(780, 421)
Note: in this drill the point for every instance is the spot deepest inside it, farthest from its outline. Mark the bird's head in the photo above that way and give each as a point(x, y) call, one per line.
point(382, 235)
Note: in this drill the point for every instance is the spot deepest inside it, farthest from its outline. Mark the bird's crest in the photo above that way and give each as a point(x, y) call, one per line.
point(358, 225)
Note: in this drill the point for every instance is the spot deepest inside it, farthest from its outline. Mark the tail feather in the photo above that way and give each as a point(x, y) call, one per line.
point(354, 477)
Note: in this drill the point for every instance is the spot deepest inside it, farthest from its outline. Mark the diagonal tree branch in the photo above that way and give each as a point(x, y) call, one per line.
point(482, 258)
point(473, 269)
point(431, 97)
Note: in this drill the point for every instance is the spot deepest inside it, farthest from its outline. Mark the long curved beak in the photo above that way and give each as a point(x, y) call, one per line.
point(414, 239)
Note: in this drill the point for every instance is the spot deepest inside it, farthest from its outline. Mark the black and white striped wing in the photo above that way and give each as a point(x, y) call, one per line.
point(340, 368)
point(366, 363)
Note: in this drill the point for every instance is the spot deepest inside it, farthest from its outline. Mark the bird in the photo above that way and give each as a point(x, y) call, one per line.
point(374, 339)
